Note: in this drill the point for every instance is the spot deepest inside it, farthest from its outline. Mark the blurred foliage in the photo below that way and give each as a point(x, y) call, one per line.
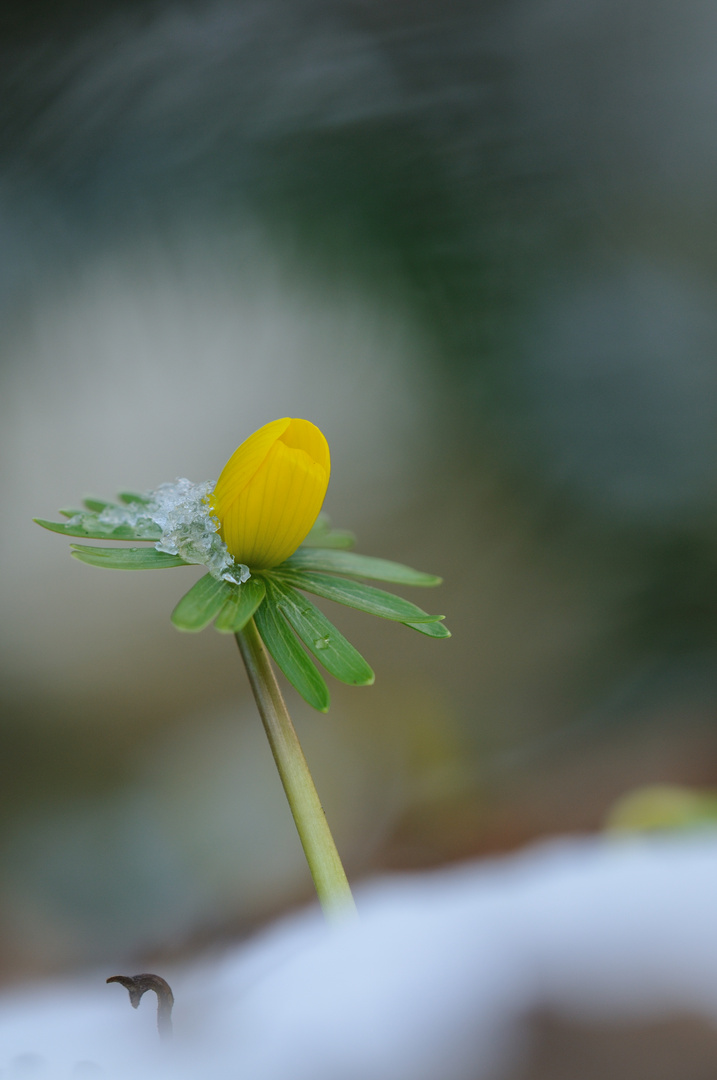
point(663, 807)
point(675, 605)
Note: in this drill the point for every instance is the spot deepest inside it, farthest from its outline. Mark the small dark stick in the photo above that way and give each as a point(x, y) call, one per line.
point(138, 984)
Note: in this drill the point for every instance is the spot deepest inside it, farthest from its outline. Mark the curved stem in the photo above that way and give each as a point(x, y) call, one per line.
point(325, 865)
point(138, 985)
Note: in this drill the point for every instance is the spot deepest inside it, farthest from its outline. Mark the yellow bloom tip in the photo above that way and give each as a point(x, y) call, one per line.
point(271, 490)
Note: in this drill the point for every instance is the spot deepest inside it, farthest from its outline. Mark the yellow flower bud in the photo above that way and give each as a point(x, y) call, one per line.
point(271, 490)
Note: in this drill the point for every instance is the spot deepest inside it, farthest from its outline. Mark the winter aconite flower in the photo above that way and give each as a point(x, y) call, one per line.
point(260, 533)
point(270, 492)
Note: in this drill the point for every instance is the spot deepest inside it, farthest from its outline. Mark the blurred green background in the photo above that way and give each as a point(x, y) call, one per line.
point(474, 243)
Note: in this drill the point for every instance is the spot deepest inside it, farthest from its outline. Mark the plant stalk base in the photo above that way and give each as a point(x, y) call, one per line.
point(325, 865)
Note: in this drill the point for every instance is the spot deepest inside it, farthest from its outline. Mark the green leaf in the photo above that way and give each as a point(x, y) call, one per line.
point(337, 538)
point(291, 658)
point(323, 536)
point(355, 594)
point(97, 505)
point(55, 526)
point(201, 604)
point(363, 566)
point(92, 529)
point(130, 497)
point(319, 635)
point(126, 558)
point(431, 629)
point(240, 606)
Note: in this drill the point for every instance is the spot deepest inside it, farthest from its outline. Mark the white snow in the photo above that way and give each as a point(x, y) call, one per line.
point(189, 528)
point(434, 979)
point(184, 514)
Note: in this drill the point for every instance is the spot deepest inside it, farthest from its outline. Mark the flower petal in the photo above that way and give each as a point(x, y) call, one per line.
point(268, 503)
point(244, 463)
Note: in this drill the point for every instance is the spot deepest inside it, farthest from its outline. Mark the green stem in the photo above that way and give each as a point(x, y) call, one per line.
point(329, 876)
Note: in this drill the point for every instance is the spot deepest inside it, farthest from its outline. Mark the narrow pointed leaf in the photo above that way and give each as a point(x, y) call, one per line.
point(363, 566)
point(337, 538)
point(92, 529)
point(323, 536)
point(96, 505)
point(240, 606)
point(130, 497)
point(330, 647)
point(291, 658)
point(356, 595)
point(201, 604)
point(57, 526)
point(322, 524)
point(126, 558)
point(431, 629)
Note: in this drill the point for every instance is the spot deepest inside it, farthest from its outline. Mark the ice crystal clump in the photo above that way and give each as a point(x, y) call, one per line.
point(134, 514)
point(189, 528)
point(181, 512)
point(131, 522)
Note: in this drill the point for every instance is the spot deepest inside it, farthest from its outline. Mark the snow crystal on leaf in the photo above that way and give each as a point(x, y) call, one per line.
point(182, 512)
point(189, 528)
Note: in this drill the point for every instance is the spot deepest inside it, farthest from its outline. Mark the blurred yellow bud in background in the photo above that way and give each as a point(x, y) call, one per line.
point(271, 490)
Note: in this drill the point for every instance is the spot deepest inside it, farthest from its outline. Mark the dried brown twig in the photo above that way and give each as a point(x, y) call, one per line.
point(137, 985)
